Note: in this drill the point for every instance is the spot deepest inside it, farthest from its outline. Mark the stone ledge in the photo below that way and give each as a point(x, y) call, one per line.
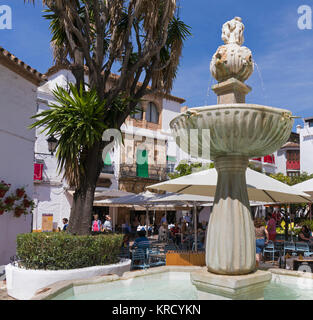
point(246, 287)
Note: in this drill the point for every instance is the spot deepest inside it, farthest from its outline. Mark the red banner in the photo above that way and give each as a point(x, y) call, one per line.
point(38, 167)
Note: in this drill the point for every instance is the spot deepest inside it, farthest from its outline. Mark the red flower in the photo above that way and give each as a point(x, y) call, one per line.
point(18, 211)
point(9, 200)
point(3, 192)
point(20, 192)
point(26, 203)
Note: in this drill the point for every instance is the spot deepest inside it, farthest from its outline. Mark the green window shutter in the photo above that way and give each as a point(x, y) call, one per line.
point(142, 164)
point(171, 159)
point(107, 160)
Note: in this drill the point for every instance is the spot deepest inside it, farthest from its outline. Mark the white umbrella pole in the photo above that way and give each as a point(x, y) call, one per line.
point(195, 225)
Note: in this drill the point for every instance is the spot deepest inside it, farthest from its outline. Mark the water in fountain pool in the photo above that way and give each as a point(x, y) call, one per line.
point(174, 286)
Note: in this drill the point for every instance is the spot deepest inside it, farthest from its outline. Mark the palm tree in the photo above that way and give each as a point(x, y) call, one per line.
point(144, 37)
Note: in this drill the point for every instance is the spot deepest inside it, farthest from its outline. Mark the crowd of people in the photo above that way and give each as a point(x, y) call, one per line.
point(265, 231)
point(181, 234)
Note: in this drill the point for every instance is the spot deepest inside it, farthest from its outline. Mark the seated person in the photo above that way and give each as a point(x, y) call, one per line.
point(175, 233)
point(142, 242)
point(125, 243)
point(163, 232)
point(140, 228)
point(305, 234)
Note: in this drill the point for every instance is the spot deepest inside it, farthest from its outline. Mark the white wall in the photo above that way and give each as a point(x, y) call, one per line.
point(17, 105)
point(54, 200)
point(306, 149)
point(281, 162)
point(171, 109)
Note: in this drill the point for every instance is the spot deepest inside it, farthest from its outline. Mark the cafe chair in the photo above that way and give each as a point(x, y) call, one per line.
point(155, 258)
point(289, 247)
point(139, 259)
point(270, 248)
point(302, 247)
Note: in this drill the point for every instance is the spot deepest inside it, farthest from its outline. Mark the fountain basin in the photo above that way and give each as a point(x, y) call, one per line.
point(284, 285)
point(240, 129)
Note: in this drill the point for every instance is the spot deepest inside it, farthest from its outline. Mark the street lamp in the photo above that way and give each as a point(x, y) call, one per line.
point(52, 144)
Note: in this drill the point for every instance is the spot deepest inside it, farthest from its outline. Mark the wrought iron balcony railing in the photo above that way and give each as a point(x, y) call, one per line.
point(153, 172)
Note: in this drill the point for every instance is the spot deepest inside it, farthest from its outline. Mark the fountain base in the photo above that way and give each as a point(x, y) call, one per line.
point(223, 287)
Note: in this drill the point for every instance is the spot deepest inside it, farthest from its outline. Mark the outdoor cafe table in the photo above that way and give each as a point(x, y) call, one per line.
point(293, 263)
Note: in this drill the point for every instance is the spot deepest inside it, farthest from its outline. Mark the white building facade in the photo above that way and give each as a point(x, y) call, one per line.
point(306, 145)
point(146, 133)
point(18, 86)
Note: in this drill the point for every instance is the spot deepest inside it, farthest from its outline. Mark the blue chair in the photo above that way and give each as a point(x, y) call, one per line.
point(140, 257)
point(270, 248)
point(289, 246)
point(302, 247)
point(308, 254)
point(154, 258)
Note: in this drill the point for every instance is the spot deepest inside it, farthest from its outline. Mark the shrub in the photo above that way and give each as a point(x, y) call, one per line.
point(62, 251)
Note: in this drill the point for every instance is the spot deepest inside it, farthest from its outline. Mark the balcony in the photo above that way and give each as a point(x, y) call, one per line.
point(293, 165)
point(158, 173)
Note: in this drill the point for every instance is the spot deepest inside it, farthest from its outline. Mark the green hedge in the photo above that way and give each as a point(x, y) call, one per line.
point(62, 251)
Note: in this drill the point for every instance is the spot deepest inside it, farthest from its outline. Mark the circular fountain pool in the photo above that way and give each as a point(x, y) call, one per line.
point(169, 283)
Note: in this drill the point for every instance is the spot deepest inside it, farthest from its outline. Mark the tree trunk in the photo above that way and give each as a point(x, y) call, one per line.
point(81, 211)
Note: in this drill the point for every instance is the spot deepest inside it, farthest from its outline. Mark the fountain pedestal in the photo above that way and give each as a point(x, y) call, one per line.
point(231, 91)
point(230, 242)
point(223, 287)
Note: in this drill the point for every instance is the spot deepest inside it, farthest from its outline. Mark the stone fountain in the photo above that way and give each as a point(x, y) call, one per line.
point(238, 132)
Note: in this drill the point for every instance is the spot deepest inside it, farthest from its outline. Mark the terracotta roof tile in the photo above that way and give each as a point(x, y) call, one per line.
point(290, 145)
point(20, 67)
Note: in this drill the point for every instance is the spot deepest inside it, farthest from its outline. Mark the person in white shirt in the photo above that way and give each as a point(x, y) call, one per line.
point(107, 226)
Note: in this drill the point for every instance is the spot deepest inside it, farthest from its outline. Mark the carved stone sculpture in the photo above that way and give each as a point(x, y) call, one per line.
point(232, 60)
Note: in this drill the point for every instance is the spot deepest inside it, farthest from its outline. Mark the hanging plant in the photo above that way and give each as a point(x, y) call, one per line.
point(18, 211)
point(20, 192)
point(4, 187)
point(18, 201)
point(9, 201)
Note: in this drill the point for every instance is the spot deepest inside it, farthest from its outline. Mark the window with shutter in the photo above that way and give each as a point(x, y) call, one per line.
point(142, 164)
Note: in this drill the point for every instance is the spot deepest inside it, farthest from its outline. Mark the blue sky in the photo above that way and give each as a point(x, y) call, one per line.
point(282, 52)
